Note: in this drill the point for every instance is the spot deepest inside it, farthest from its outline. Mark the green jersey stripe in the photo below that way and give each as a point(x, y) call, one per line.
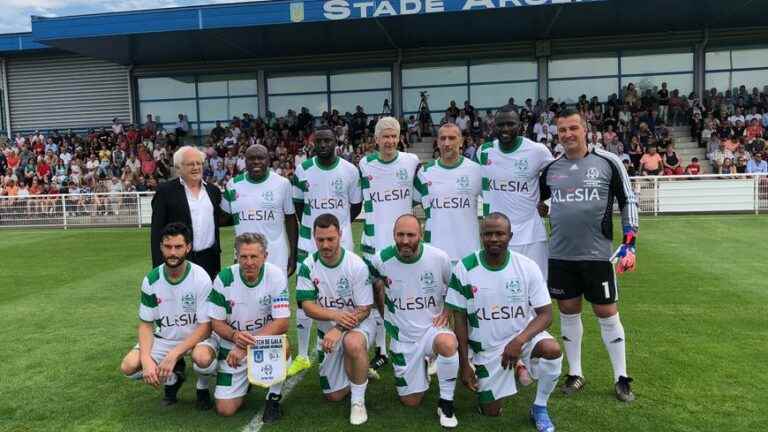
point(148, 300)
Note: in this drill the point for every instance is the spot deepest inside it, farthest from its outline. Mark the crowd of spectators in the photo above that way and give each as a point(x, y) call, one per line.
point(634, 125)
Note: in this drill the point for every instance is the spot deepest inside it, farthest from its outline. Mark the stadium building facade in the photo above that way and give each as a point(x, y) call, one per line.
point(215, 62)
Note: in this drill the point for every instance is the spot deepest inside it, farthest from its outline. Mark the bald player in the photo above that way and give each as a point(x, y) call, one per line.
point(411, 280)
point(261, 202)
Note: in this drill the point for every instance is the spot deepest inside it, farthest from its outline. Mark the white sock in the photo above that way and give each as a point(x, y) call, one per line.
point(447, 371)
point(137, 376)
point(613, 338)
point(381, 337)
point(202, 382)
point(171, 380)
point(572, 330)
point(276, 389)
point(303, 329)
point(548, 373)
point(358, 391)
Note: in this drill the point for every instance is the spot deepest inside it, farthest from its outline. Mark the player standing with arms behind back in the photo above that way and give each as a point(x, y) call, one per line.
point(386, 179)
point(583, 185)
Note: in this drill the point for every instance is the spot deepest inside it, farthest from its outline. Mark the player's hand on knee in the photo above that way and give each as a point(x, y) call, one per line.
point(468, 378)
point(150, 372)
point(235, 357)
point(165, 368)
point(243, 339)
point(331, 339)
point(347, 320)
point(511, 353)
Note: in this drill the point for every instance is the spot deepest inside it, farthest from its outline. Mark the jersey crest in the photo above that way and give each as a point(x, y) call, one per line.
point(463, 184)
point(188, 303)
point(337, 185)
point(402, 174)
point(427, 280)
point(343, 287)
point(514, 291)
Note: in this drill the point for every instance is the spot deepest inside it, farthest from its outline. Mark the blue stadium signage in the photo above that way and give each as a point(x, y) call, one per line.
point(346, 9)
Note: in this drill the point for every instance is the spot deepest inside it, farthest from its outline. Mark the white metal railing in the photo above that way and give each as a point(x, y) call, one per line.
point(71, 210)
point(655, 195)
point(702, 193)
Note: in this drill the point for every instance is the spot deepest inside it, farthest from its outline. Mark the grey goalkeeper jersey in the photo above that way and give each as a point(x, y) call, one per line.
point(583, 192)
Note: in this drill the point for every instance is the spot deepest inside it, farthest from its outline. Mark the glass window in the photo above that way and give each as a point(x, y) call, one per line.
point(243, 86)
point(208, 86)
point(434, 75)
point(297, 84)
point(214, 109)
point(750, 58)
point(682, 82)
point(503, 71)
point(361, 80)
point(240, 105)
point(751, 79)
point(583, 67)
point(166, 88)
point(718, 60)
point(718, 80)
point(371, 101)
point(497, 95)
point(280, 105)
point(569, 90)
point(168, 112)
point(656, 63)
point(439, 97)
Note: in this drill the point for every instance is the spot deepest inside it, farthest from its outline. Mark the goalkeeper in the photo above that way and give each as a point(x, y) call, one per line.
point(583, 185)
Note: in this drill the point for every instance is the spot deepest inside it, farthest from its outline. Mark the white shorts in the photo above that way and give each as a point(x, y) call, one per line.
point(538, 252)
point(231, 382)
point(409, 363)
point(494, 382)
point(161, 347)
point(333, 376)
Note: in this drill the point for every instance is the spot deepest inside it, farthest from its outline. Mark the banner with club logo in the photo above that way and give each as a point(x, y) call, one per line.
point(267, 364)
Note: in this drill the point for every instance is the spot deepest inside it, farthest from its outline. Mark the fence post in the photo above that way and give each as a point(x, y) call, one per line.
point(64, 209)
point(756, 182)
point(138, 207)
point(655, 196)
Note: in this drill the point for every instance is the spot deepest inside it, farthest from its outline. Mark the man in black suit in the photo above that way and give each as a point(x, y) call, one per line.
point(190, 200)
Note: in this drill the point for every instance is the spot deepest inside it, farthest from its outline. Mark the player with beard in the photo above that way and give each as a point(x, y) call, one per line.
point(323, 184)
point(411, 282)
point(502, 310)
point(261, 201)
point(174, 322)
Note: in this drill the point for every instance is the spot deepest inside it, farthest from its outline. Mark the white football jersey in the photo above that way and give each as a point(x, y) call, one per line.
point(415, 290)
point(175, 308)
point(247, 307)
point(261, 207)
point(326, 190)
point(511, 186)
point(499, 303)
point(449, 197)
point(345, 286)
point(387, 194)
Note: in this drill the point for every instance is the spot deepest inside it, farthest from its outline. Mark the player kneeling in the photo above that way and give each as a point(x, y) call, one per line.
point(174, 322)
point(411, 282)
point(248, 299)
point(334, 288)
point(502, 310)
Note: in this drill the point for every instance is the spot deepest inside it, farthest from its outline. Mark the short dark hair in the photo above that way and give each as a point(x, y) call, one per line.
point(568, 112)
point(499, 216)
point(174, 229)
point(326, 220)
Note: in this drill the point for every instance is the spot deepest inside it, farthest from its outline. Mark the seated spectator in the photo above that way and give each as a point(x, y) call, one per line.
point(693, 168)
point(651, 163)
point(719, 157)
point(754, 130)
point(631, 171)
point(672, 164)
point(727, 167)
point(635, 152)
point(757, 164)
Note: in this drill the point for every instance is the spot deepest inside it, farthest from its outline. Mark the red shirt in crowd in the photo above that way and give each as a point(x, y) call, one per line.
point(693, 169)
point(43, 169)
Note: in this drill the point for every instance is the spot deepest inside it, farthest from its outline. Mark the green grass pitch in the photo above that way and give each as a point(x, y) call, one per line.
point(694, 313)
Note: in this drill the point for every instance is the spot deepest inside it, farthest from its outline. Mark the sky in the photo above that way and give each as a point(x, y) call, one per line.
point(15, 13)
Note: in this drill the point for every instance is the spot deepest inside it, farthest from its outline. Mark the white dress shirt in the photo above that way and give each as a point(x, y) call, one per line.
point(201, 211)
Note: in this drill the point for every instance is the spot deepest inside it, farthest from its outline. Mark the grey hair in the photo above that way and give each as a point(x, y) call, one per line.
point(178, 156)
point(385, 123)
point(250, 238)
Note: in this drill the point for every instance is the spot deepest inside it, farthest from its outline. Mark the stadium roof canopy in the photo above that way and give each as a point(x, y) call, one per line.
point(278, 28)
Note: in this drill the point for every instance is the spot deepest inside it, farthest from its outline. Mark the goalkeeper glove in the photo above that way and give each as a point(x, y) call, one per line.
point(626, 253)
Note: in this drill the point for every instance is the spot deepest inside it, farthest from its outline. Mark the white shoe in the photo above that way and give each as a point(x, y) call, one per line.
point(358, 414)
point(445, 421)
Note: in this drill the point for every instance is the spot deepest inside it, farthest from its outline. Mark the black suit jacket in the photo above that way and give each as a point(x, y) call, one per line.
point(170, 205)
